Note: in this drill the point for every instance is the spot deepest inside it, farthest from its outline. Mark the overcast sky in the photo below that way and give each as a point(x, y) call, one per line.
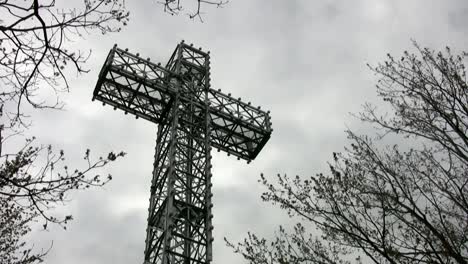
point(303, 60)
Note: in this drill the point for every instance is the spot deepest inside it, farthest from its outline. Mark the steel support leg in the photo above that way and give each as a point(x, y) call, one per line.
point(179, 222)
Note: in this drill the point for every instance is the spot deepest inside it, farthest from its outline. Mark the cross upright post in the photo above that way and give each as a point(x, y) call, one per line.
point(192, 118)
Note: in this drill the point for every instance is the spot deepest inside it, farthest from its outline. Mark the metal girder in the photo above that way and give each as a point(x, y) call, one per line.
point(238, 128)
point(134, 85)
point(192, 119)
point(179, 222)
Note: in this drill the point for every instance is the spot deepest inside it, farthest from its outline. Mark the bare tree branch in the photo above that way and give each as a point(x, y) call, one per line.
point(174, 7)
point(34, 55)
point(387, 205)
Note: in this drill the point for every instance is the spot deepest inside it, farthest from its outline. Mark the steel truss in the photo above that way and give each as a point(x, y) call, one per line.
point(192, 118)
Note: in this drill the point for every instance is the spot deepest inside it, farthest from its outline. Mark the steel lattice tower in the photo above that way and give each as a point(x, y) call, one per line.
point(192, 118)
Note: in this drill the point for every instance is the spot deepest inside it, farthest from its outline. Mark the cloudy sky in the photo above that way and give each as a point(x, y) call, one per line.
point(304, 60)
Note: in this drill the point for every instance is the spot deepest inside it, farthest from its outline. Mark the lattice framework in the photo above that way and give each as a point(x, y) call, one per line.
point(192, 119)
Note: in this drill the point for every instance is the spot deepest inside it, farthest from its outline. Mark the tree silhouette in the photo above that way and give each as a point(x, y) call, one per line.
point(35, 55)
point(174, 7)
point(393, 204)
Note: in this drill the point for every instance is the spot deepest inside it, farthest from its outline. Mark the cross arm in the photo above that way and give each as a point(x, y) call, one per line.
point(134, 85)
point(237, 127)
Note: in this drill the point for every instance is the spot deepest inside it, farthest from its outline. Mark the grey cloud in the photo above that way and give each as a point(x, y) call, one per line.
point(303, 60)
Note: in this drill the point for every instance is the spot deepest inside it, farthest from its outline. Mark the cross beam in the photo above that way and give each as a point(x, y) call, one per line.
point(192, 118)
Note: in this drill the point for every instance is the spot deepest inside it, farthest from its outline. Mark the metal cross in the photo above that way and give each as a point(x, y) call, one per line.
point(192, 118)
